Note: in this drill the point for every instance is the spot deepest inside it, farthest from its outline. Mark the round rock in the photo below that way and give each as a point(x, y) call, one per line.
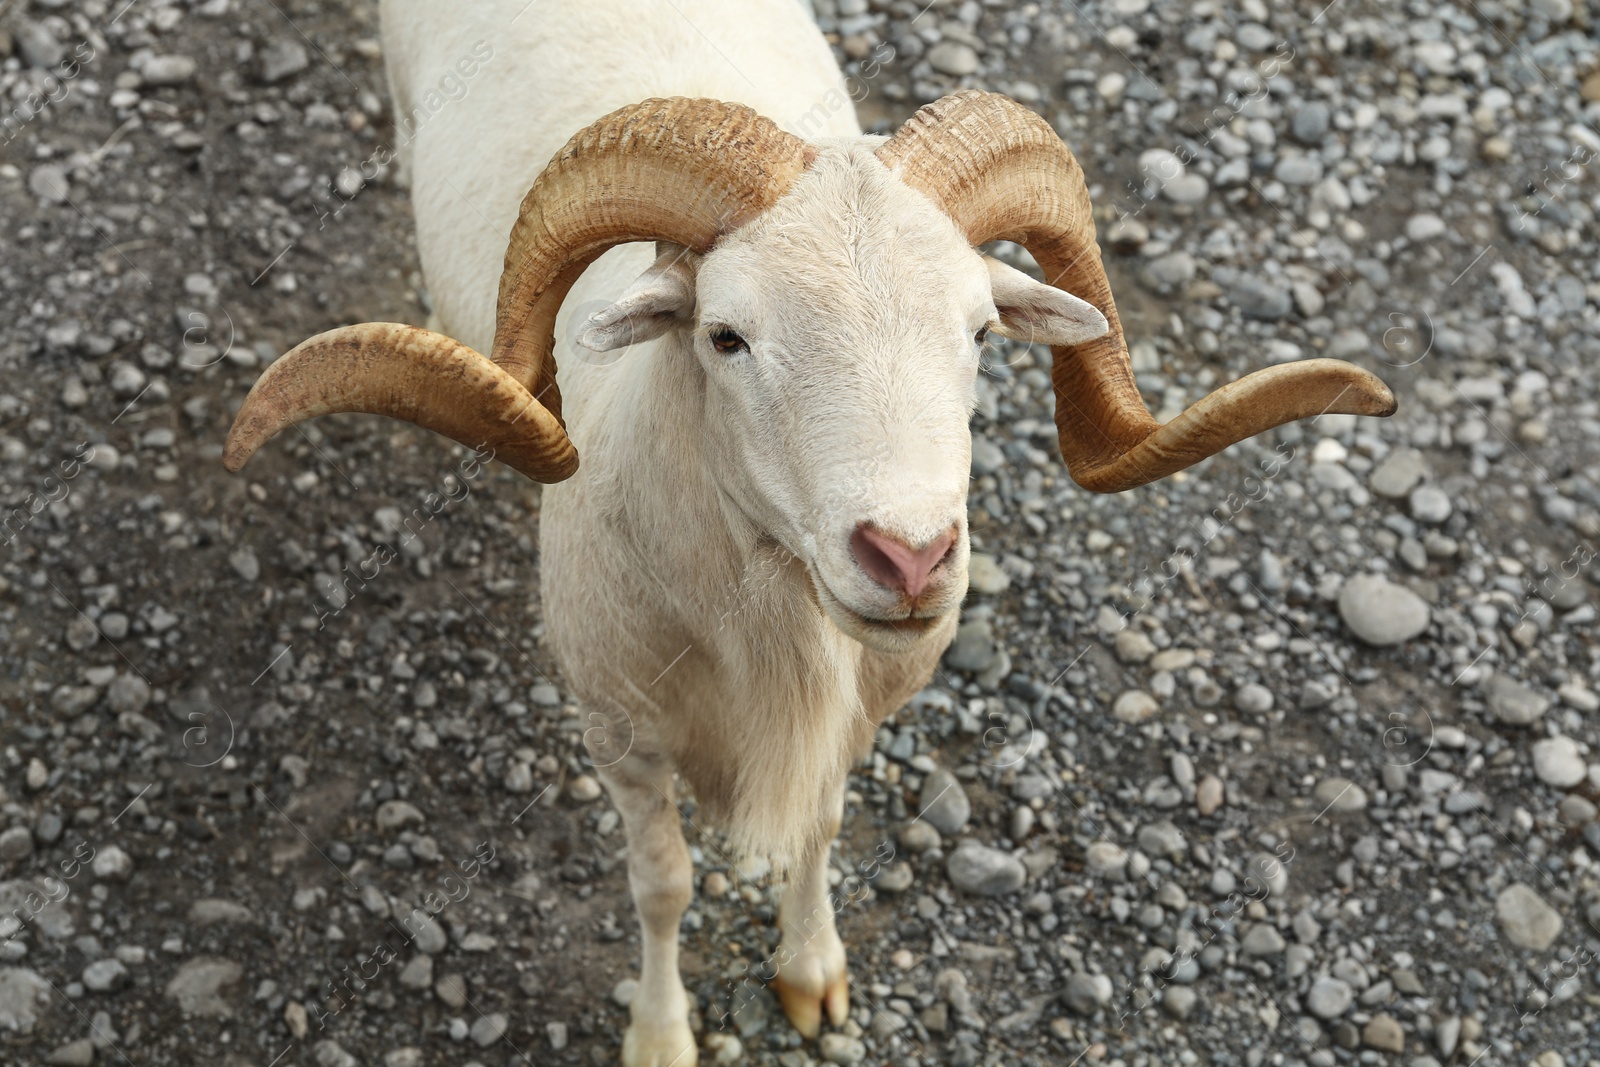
point(1525, 919)
point(111, 864)
point(1087, 993)
point(1106, 857)
point(1557, 762)
point(1430, 504)
point(842, 1049)
point(953, 58)
point(1512, 702)
point(944, 803)
point(984, 871)
point(1339, 795)
point(1310, 122)
point(1383, 1032)
point(1329, 998)
point(103, 976)
point(1380, 612)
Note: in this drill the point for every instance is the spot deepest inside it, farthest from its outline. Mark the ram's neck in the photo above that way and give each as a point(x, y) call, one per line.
point(641, 433)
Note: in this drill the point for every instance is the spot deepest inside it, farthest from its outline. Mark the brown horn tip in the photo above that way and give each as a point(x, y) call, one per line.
point(1254, 404)
point(999, 170)
point(407, 373)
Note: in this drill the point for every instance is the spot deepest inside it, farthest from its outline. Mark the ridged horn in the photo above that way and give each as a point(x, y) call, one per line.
point(422, 377)
point(678, 170)
point(1000, 171)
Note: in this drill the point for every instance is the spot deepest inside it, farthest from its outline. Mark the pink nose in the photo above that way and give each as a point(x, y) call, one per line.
point(893, 563)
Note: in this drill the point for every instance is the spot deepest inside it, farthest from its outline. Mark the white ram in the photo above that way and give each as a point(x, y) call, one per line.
point(764, 551)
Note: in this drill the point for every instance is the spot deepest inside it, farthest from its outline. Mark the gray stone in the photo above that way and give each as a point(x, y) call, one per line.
point(15, 844)
point(1106, 857)
point(73, 700)
point(397, 815)
point(986, 456)
point(199, 984)
point(332, 1054)
point(489, 1029)
point(1424, 227)
point(842, 1049)
point(1383, 1032)
point(1430, 504)
point(1339, 795)
point(984, 871)
point(1170, 272)
point(1179, 1001)
point(944, 803)
point(984, 575)
point(1087, 993)
point(1262, 940)
point(1525, 919)
point(1260, 298)
point(1162, 839)
point(1398, 474)
point(418, 972)
point(1446, 1034)
point(429, 937)
point(1512, 702)
point(974, 648)
point(1263, 869)
point(1253, 699)
point(111, 864)
point(210, 911)
point(1310, 122)
point(23, 996)
point(1380, 612)
point(1298, 170)
point(104, 976)
point(1557, 762)
point(1186, 189)
point(45, 911)
point(1134, 706)
point(168, 70)
point(1329, 998)
point(244, 563)
point(1133, 646)
point(38, 45)
point(896, 878)
point(48, 182)
point(127, 693)
point(953, 58)
point(452, 991)
point(79, 1053)
point(283, 58)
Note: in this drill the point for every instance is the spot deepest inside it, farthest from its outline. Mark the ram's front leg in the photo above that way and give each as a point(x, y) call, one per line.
point(810, 961)
point(661, 876)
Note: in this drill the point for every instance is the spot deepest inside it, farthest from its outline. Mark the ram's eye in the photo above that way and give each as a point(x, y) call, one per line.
point(981, 336)
point(727, 342)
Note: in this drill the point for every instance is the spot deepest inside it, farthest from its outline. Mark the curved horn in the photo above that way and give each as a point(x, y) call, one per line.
point(423, 377)
point(678, 170)
point(1000, 172)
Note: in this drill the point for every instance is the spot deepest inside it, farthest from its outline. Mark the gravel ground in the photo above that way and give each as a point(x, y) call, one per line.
point(1284, 760)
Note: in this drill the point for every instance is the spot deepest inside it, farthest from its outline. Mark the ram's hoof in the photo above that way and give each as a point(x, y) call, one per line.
point(671, 1046)
point(804, 1006)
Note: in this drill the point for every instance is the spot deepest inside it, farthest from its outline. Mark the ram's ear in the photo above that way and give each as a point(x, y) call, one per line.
point(661, 298)
point(1032, 311)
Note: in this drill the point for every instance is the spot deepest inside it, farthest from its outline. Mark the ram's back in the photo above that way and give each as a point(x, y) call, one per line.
point(485, 93)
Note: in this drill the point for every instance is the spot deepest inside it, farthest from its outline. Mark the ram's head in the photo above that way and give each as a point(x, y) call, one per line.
point(834, 299)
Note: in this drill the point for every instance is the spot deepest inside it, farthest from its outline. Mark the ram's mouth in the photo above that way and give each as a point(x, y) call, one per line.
point(911, 624)
point(897, 629)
